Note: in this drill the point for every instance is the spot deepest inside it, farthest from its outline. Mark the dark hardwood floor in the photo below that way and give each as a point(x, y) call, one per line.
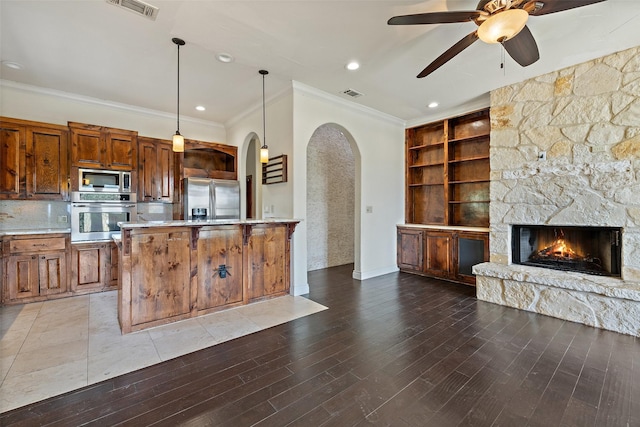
point(397, 350)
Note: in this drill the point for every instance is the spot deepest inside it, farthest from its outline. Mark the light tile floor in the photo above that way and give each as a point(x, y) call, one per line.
point(53, 347)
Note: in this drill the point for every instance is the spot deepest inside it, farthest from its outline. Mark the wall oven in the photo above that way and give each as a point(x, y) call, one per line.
point(95, 215)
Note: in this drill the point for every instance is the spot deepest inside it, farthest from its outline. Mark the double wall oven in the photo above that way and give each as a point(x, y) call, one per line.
point(95, 215)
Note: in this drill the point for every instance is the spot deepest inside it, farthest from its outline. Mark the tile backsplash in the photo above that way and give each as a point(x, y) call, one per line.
point(33, 214)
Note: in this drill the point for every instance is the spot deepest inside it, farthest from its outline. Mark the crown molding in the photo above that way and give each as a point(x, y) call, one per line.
point(104, 103)
point(478, 103)
point(257, 106)
point(319, 94)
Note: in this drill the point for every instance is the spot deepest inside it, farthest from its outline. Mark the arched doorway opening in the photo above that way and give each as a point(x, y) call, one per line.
point(252, 178)
point(332, 208)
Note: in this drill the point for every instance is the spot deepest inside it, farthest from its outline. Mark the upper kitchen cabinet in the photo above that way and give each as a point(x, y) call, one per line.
point(99, 147)
point(33, 160)
point(209, 160)
point(155, 170)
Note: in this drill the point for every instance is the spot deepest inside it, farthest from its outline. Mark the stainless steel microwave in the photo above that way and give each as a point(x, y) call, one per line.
point(104, 180)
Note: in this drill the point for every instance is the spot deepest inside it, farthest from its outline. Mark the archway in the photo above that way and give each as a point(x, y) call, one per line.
point(252, 202)
point(331, 198)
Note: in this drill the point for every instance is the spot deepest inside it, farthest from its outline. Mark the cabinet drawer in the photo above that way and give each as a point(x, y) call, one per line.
point(37, 245)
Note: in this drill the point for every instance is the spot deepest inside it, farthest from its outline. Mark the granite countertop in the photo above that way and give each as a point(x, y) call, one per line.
point(34, 231)
point(179, 223)
point(447, 227)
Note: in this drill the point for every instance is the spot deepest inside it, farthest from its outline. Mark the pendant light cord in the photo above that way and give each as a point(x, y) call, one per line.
point(178, 97)
point(264, 121)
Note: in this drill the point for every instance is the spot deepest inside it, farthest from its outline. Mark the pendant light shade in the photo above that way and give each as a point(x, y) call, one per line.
point(178, 140)
point(264, 150)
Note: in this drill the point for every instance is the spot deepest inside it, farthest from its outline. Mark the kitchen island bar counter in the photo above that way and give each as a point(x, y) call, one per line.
point(173, 270)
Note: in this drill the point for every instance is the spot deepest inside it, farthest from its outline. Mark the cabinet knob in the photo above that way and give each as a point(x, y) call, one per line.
point(33, 257)
point(42, 257)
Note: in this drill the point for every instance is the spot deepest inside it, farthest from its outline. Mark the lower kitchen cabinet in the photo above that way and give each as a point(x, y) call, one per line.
point(219, 267)
point(444, 253)
point(92, 267)
point(34, 267)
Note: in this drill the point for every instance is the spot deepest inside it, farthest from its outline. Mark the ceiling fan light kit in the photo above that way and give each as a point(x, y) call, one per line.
point(503, 26)
point(498, 21)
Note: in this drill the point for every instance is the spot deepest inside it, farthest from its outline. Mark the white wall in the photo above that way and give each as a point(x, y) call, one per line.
point(48, 106)
point(379, 179)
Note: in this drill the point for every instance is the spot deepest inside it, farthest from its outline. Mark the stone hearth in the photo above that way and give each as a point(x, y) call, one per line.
point(586, 120)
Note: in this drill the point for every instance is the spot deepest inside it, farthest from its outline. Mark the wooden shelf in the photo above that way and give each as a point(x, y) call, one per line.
point(469, 138)
point(469, 159)
point(419, 147)
point(426, 185)
point(426, 165)
point(469, 181)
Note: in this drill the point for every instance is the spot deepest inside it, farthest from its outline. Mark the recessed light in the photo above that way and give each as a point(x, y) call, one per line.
point(200, 108)
point(12, 65)
point(352, 66)
point(224, 57)
point(433, 105)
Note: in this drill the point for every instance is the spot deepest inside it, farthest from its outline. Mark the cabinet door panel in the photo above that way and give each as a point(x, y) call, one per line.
point(410, 249)
point(53, 273)
point(22, 276)
point(219, 246)
point(267, 266)
point(121, 151)
point(164, 172)
point(47, 168)
point(147, 173)
point(161, 280)
point(438, 253)
point(10, 168)
point(88, 149)
point(88, 266)
point(113, 263)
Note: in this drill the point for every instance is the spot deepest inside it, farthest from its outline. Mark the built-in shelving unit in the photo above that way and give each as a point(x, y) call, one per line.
point(447, 171)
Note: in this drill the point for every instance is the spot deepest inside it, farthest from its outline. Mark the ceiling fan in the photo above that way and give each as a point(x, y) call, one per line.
point(498, 21)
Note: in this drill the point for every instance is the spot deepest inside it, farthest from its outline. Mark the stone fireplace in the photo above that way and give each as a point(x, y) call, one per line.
point(565, 152)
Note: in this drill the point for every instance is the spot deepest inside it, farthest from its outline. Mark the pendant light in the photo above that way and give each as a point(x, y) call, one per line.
point(264, 150)
point(178, 140)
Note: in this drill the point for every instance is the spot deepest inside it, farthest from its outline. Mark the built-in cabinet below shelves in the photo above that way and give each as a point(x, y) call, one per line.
point(443, 253)
point(447, 179)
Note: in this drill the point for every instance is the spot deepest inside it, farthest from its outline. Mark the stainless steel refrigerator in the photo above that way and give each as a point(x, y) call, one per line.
point(206, 198)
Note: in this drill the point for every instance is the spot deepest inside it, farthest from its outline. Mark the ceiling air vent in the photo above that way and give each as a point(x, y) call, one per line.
point(352, 93)
point(137, 6)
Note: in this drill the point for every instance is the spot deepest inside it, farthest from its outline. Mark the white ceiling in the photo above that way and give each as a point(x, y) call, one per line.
point(92, 48)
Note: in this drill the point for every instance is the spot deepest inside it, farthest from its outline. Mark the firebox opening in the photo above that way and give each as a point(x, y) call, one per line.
point(591, 250)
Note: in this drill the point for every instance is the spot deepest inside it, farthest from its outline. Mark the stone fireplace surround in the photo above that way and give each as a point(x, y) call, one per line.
point(586, 119)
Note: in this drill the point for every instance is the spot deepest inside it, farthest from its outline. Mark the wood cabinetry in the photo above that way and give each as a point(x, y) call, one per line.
point(156, 277)
point(448, 254)
point(202, 160)
point(99, 147)
point(92, 267)
point(171, 272)
point(447, 172)
point(34, 267)
point(155, 170)
point(33, 160)
point(219, 267)
point(447, 185)
point(267, 272)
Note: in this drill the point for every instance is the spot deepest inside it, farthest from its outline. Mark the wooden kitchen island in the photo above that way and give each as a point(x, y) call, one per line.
point(173, 270)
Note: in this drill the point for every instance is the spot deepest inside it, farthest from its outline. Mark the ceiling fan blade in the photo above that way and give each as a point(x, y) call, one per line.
point(436, 17)
point(523, 48)
point(449, 54)
point(553, 6)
